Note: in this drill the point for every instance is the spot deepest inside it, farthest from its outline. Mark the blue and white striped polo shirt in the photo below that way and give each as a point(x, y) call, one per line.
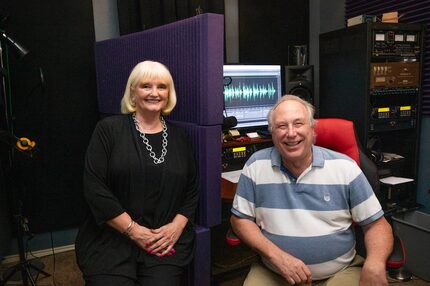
point(312, 217)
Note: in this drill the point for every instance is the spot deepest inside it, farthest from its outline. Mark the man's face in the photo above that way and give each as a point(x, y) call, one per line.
point(292, 133)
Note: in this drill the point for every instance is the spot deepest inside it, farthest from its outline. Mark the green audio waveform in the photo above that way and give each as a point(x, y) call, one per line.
point(245, 92)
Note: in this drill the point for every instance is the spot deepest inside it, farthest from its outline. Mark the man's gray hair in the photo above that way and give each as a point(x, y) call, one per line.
point(309, 107)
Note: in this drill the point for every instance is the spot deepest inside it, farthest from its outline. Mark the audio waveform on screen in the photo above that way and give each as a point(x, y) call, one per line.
point(253, 92)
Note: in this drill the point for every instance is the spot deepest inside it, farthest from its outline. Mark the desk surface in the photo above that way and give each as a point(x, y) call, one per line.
point(228, 189)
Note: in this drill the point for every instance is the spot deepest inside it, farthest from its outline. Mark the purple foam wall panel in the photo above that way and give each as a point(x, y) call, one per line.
point(202, 258)
point(199, 272)
point(206, 141)
point(193, 50)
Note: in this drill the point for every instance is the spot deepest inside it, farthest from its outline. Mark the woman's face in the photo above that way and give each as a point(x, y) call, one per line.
point(150, 95)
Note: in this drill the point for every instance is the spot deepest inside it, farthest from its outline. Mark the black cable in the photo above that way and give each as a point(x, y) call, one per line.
point(29, 251)
point(54, 259)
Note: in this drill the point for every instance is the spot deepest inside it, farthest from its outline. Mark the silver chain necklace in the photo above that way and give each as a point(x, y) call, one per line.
point(146, 141)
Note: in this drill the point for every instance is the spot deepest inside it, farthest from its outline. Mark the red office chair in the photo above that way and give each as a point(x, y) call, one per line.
point(339, 135)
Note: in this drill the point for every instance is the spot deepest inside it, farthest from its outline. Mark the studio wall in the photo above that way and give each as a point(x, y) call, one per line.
point(53, 95)
point(268, 28)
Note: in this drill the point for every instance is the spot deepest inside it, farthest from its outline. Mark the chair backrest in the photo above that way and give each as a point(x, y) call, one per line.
point(338, 135)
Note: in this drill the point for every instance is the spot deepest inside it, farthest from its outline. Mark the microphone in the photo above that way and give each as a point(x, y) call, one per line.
point(229, 122)
point(18, 49)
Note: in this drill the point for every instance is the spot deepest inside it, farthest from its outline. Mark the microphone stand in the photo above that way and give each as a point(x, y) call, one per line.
point(19, 221)
point(24, 266)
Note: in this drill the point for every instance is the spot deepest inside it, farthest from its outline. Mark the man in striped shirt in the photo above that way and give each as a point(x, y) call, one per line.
point(295, 205)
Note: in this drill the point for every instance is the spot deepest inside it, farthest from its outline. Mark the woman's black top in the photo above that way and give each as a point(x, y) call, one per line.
point(120, 176)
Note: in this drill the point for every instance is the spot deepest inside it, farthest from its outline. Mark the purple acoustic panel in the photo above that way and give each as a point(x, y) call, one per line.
point(199, 271)
point(193, 51)
point(206, 141)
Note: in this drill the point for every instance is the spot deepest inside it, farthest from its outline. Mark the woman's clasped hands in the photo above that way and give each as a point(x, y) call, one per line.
point(160, 241)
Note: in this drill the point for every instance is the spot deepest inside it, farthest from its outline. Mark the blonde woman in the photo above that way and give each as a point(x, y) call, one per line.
point(140, 182)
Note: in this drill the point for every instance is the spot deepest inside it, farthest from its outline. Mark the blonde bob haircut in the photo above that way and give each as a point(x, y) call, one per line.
point(289, 97)
point(146, 71)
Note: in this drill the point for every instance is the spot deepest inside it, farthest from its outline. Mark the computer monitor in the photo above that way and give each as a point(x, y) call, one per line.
point(250, 91)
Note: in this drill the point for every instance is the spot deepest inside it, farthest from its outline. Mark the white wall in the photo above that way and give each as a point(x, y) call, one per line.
point(324, 16)
point(231, 20)
point(105, 19)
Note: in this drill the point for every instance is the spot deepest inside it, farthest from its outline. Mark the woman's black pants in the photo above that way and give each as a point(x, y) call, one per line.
point(162, 275)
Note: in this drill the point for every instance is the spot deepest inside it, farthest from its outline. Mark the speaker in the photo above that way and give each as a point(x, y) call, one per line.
point(299, 81)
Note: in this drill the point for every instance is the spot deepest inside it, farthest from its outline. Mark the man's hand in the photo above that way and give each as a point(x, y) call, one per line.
point(292, 269)
point(378, 237)
point(373, 274)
